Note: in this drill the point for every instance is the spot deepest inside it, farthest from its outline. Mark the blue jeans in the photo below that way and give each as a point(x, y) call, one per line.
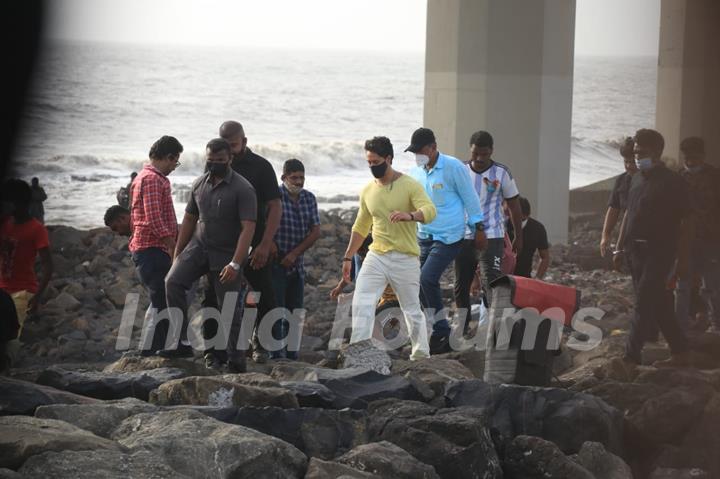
point(152, 265)
point(435, 257)
point(289, 294)
point(704, 262)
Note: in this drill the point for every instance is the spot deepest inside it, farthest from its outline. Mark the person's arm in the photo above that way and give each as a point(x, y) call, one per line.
point(187, 228)
point(611, 219)
point(154, 199)
point(619, 252)
point(43, 195)
point(261, 253)
point(46, 268)
point(516, 219)
point(229, 274)
point(360, 230)
point(544, 263)
point(306, 243)
point(468, 195)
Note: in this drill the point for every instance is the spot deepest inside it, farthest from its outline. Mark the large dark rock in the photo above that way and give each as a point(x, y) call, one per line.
point(363, 387)
point(528, 457)
point(455, 441)
point(132, 363)
point(564, 417)
point(310, 393)
point(435, 372)
point(22, 397)
point(319, 469)
point(385, 459)
point(365, 354)
point(199, 446)
point(316, 432)
point(600, 463)
point(100, 418)
point(22, 437)
point(104, 385)
point(99, 463)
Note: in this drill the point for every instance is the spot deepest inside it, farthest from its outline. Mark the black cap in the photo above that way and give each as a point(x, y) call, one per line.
point(421, 138)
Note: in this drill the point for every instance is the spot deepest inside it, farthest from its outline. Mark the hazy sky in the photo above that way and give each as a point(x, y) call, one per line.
point(604, 27)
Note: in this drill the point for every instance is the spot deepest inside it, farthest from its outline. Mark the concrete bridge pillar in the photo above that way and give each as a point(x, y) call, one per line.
point(506, 66)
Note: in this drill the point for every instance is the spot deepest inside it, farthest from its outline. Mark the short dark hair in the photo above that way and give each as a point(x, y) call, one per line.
point(113, 213)
point(216, 145)
point(35, 180)
point(627, 148)
point(693, 145)
point(17, 191)
point(166, 145)
point(133, 174)
point(231, 128)
point(381, 146)
point(650, 138)
point(293, 165)
point(524, 206)
point(482, 139)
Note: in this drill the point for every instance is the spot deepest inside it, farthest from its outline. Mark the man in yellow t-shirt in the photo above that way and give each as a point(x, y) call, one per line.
point(390, 205)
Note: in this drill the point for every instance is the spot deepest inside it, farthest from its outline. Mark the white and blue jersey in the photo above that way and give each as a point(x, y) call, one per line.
point(493, 185)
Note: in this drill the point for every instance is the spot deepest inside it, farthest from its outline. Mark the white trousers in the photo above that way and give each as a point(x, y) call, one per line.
point(402, 272)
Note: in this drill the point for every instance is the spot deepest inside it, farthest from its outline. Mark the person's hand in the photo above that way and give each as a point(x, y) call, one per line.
point(273, 250)
point(260, 255)
point(228, 274)
point(480, 240)
point(337, 290)
point(398, 216)
point(517, 245)
point(604, 243)
point(618, 261)
point(346, 269)
point(475, 286)
point(289, 260)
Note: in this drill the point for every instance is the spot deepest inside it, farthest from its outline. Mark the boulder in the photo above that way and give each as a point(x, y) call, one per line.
point(64, 302)
point(455, 441)
point(132, 362)
point(22, 437)
point(358, 390)
point(365, 354)
point(435, 372)
point(251, 379)
point(316, 432)
point(22, 397)
point(600, 463)
point(310, 394)
point(10, 474)
point(385, 459)
point(98, 463)
point(528, 457)
point(212, 391)
point(104, 385)
point(100, 418)
point(668, 473)
point(319, 469)
point(199, 446)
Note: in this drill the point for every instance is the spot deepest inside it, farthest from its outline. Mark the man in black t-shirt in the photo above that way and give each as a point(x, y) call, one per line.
point(654, 235)
point(617, 204)
point(260, 173)
point(534, 239)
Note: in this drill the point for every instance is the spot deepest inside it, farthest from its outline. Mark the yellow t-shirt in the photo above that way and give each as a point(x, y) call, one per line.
point(378, 201)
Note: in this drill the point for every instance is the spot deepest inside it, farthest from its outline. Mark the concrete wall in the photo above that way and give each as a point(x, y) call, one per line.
point(506, 66)
point(688, 95)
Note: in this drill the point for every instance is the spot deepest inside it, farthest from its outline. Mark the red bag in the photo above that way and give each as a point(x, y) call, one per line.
point(558, 302)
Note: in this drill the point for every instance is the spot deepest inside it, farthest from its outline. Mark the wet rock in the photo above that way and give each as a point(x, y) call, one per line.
point(564, 417)
point(199, 446)
point(101, 463)
point(103, 385)
point(435, 372)
point(22, 397)
point(311, 394)
point(22, 437)
point(528, 457)
point(668, 473)
point(211, 391)
point(455, 441)
point(600, 463)
point(316, 432)
point(365, 354)
point(319, 469)
point(100, 418)
point(385, 459)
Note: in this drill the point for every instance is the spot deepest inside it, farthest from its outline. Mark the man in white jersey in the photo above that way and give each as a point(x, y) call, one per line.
point(493, 183)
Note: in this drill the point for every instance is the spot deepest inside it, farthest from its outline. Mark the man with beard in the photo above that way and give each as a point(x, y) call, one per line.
point(214, 239)
point(390, 205)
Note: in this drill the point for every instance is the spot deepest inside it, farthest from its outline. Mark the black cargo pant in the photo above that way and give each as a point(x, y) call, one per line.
point(466, 263)
point(651, 268)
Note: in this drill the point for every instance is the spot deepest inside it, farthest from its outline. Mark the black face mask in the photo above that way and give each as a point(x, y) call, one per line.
point(217, 169)
point(378, 171)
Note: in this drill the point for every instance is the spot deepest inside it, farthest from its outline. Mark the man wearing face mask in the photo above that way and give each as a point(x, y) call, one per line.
point(299, 230)
point(447, 183)
point(704, 258)
point(214, 239)
point(390, 205)
point(654, 236)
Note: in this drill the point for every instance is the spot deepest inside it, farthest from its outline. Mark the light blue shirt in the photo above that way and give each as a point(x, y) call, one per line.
point(451, 190)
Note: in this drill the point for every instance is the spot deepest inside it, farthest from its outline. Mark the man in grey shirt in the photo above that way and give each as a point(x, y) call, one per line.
point(214, 238)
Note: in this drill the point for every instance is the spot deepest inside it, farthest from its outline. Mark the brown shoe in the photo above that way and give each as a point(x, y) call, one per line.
point(680, 360)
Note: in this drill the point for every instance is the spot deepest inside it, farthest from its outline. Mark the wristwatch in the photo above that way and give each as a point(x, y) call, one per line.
point(479, 226)
point(234, 265)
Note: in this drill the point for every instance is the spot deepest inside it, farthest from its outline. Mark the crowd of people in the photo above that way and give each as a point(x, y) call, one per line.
point(243, 232)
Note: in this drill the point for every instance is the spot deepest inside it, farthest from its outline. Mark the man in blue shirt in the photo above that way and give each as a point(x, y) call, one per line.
point(299, 230)
point(447, 182)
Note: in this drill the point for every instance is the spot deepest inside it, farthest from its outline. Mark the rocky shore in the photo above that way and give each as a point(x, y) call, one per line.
point(76, 407)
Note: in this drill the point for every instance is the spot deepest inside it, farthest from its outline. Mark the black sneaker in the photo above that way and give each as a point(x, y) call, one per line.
point(183, 351)
point(212, 362)
point(439, 344)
